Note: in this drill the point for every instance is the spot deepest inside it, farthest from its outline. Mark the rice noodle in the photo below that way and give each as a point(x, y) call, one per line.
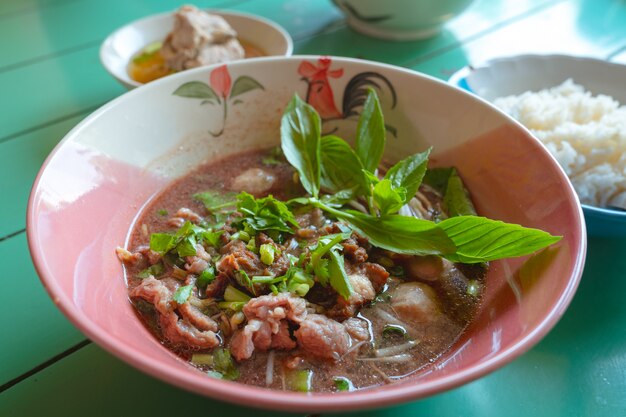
point(395, 350)
point(380, 372)
point(355, 347)
point(404, 357)
point(269, 369)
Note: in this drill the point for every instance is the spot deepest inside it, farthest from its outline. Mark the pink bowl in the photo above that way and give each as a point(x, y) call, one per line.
point(90, 188)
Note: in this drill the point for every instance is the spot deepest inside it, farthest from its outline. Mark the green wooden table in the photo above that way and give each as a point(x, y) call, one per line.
point(51, 78)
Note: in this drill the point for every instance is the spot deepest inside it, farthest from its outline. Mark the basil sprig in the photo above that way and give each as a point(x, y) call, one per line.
point(352, 176)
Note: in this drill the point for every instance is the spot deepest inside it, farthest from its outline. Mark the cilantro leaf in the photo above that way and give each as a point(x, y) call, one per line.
point(215, 200)
point(300, 141)
point(370, 133)
point(265, 213)
point(182, 294)
point(479, 239)
point(154, 270)
point(162, 242)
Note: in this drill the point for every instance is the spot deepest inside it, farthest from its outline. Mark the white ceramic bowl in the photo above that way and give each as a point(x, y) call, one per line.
point(88, 192)
point(515, 75)
point(119, 47)
point(400, 20)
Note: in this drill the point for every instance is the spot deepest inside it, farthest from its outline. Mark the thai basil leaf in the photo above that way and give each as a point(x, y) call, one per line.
point(370, 133)
point(401, 234)
point(437, 178)
point(457, 200)
point(388, 199)
point(409, 173)
point(300, 141)
point(182, 294)
point(479, 239)
point(337, 275)
point(341, 169)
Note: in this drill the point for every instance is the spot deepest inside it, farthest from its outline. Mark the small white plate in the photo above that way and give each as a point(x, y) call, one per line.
point(118, 48)
point(514, 75)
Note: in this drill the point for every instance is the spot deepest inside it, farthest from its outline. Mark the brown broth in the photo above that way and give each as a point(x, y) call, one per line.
point(434, 339)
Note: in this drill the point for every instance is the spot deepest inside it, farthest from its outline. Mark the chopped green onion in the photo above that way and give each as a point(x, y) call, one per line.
point(155, 270)
point(215, 374)
point(224, 364)
point(233, 294)
point(231, 305)
point(300, 380)
point(269, 279)
point(182, 294)
point(162, 212)
point(251, 246)
point(241, 235)
point(206, 277)
point(391, 330)
point(343, 384)
point(244, 280)
point(473, 288)
point(202, 359)
point(267, 252)
point(397, 271)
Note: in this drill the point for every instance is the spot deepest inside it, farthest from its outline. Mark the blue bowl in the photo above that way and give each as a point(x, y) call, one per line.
point(515, 75)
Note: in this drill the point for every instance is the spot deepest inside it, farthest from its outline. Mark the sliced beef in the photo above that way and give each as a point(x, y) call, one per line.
point(236, 257)
point(322, 337)
point(196, 317)
point(358, 329)
point(176, 330)
point(377, 275)
point(353, 251)
point(367, 279)
point(268, 324)
point(273, 308)
point(216, 288)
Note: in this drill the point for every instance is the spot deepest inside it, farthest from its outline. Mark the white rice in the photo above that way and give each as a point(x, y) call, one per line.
point(586, 134)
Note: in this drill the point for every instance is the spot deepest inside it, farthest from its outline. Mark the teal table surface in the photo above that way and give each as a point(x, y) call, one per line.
point(51, 78)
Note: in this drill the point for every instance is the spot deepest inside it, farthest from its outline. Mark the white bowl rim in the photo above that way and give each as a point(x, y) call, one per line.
point(290, 401)
point(222, 12)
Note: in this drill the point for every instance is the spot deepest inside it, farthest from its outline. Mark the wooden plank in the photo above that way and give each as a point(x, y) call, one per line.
point(553, 30)
point(82, 24)
point(479, 19)
point(578, 370)
point(20, 160)
point(33, 329)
